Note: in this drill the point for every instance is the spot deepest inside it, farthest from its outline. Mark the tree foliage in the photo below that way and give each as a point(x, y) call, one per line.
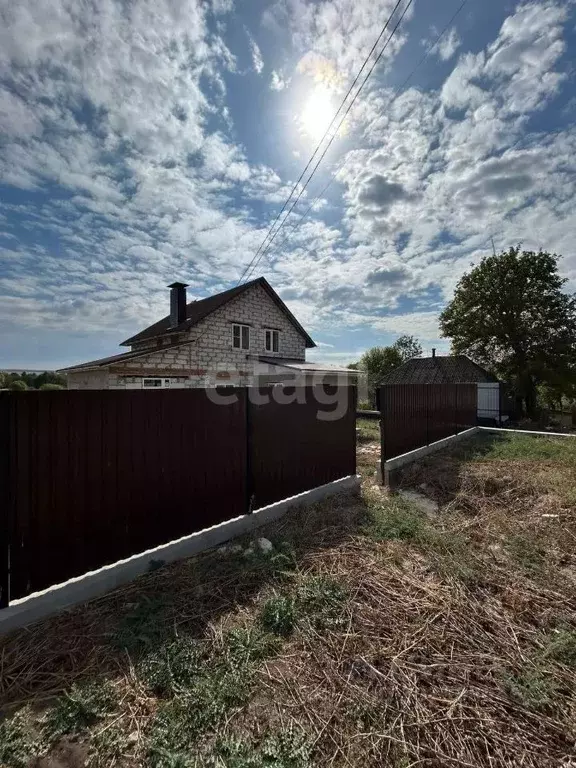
point(408, 346)
point(32, 380)
point(379, 361)
point(17, 385)
point(511, 315)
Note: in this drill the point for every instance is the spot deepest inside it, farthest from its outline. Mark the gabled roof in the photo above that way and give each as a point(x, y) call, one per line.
point(198, 310)
point(455, 369)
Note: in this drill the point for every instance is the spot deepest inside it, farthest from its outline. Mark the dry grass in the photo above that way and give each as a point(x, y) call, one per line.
point(375, 635)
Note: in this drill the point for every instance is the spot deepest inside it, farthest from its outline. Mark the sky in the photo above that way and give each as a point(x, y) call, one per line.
point(148, 141)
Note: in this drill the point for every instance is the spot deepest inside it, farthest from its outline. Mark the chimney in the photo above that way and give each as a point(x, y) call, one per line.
point(177, 303)
point(433, 353)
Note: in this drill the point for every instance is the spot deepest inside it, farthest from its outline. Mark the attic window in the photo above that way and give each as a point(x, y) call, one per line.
point(240, 336)
point(272, 340)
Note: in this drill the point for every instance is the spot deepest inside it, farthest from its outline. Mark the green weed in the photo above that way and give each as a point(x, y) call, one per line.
point(107, 745)
point(250, 644)
point(561, 647)
point(19, 740)
point(220, 684)
point(289, 748)
point(172, 666)
point(322, 600)
point(527, 552)
point(393, 519)
point(278, 615)
point(532, 687)
point(280, 562)
point(81, 707)
point(143, 627)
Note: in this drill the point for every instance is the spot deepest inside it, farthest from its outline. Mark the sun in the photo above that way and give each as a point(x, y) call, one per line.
point(318, 112)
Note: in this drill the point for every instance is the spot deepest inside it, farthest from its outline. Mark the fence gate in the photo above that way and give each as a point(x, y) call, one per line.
point(415, 415)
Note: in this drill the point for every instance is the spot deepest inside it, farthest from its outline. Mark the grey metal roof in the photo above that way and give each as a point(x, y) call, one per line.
point(103, 362)
point(453, 369)
point(302, 365)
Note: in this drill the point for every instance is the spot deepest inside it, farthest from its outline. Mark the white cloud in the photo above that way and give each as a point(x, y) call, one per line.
point(257, 60)
point(448, 45)
point(278, 82)
point(340, 31)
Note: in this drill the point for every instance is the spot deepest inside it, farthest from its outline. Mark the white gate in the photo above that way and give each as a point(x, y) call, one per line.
point(489, 401)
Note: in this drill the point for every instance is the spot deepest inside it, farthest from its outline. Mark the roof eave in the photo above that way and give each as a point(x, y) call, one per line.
point(81, 368)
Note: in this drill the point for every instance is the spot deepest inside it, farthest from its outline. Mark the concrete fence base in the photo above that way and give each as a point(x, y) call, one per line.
point(391, 467)
point(82, 588)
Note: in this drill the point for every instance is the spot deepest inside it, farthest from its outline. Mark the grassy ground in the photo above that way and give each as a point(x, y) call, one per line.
point(373, 634)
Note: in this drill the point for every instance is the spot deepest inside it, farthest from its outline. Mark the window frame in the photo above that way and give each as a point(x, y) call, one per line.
point(241, 328)
point(274, 335)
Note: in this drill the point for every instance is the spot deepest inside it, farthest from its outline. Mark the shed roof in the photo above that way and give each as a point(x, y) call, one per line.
point(104, 362)
point(453, 369)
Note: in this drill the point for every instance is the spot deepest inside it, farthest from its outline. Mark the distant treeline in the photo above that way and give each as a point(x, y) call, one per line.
point(21, 381)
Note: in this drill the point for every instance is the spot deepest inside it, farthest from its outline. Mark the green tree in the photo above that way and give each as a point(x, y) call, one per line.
point(510, 315)
point(408, 346)
point(49, 377)
point(17, 385)
point(48, 387)
point(377, 363)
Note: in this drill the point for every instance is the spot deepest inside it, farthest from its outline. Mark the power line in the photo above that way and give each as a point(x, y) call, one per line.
point(394, 96)
point(329, 144)
point(326, 133)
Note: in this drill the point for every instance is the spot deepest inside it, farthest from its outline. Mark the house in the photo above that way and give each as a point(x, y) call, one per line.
point(453, 369)
point(241, 337)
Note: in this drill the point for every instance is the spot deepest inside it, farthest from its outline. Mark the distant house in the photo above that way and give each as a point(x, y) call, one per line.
point(242, 336)
point(453, 369)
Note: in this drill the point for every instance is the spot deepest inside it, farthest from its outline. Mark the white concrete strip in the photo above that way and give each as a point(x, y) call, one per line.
point(408, 458)
point(82, 588)
point(527, 432)
point(418, 453)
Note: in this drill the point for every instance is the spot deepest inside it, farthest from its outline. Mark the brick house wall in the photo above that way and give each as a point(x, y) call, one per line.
point(206, 355)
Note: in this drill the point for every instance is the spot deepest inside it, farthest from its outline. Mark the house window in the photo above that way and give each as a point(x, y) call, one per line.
point(272, 340)
point(240, 336)
point(151, 383)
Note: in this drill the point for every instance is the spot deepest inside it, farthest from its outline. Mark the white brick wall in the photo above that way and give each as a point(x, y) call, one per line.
point(254, 308)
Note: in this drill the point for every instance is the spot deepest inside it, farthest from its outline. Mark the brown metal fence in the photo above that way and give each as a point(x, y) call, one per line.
point(292, 451)
point(91, 477)
point(414, 415)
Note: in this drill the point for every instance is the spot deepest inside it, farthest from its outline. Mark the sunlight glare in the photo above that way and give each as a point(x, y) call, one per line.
point(318, 112)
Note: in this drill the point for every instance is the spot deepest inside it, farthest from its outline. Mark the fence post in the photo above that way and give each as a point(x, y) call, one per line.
point(249, 504)
point(381, 402)
point(456, 411)
point(427, 390)
point(353, 394)
point(5, 436)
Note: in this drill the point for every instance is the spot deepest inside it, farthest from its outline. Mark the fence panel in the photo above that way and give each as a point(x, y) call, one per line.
point(96, 476)
point(292, 448)
point(414, 415)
